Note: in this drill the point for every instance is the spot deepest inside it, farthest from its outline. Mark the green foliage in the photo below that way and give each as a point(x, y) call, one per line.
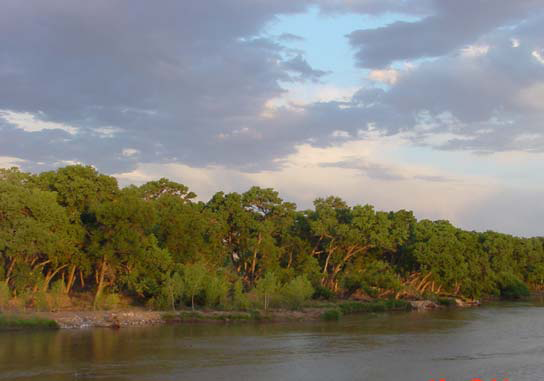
point(73, 228)
point(373, 277)
point(448, 302)
point(17, 322)
point(216, 290)
point(41, 302)
point(266, 288)
point(332, 314)
point(194, 276)
point(239, 298)
point(108, 301)
point(511, 287)
point(296, 292)
point(171, 292)
point(378, 306)
point(323, 293)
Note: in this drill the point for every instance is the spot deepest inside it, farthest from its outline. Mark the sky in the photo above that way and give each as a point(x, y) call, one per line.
point(428, 105)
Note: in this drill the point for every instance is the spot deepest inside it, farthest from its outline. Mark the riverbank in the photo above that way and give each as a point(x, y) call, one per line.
point(134, 317)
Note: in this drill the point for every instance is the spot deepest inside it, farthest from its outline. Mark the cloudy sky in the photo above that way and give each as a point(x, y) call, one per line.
point(431, 105)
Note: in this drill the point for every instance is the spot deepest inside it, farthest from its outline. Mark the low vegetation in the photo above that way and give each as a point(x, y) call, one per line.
point(18, 322)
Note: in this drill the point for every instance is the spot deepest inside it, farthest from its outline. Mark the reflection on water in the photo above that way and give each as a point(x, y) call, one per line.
point(497, 341)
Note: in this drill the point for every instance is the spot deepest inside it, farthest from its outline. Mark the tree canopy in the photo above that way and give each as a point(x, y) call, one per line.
point(155, 242)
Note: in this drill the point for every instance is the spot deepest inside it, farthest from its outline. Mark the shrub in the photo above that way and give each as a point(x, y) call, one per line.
point(511, 287)
point(323, 293)
point(296, 292)
point(373, 278)
point(57, 295)
point(239, 299)
point(267, 288)
point(331, 315)
point(171, 292)
point(193, 277)
point(108, 301)
point(448, 302)
point(41, 302)
point(216, 291)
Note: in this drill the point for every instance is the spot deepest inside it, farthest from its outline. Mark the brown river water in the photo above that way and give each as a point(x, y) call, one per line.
point(496, 341)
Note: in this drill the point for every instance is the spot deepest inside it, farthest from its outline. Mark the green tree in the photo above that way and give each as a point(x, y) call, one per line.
point(267, 287)
point(35, 240)
point(297, 291)
point(194, 276)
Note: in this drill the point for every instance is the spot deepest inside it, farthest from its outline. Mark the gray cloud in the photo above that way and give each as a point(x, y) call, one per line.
point(451, 25)
point(188, 81)
point(372, 170)
point(172, 78)
point(305, 72)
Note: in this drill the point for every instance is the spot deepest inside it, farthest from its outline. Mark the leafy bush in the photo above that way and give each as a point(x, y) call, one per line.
point(108, 301)
point(41, 302)
point(373, 278)
point(296, 292)
point(171, 292)
point(331, 315)
point(448, 302)
point(511, 287)
point(323, 293)
point(216, 291)
point(266, 288)
point(239, 299)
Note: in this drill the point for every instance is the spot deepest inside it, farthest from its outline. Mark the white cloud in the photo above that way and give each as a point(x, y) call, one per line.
point(515, 42)
point(538, 56)
point(107, 132)
point(129, 152)
point(8, 162)
point(33, 122)
point(340, 134)
point(471, 51)
point(388, 76)
point(299, 95)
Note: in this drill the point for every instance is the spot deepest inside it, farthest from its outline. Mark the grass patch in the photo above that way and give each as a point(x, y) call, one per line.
point(17, 322)
point(173, 317)
point(377, 306)
point(448, 302)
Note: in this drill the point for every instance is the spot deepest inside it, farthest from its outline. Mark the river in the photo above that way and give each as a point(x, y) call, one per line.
point(495, 341)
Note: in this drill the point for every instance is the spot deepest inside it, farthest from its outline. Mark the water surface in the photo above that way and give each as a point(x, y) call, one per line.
point(497, 341)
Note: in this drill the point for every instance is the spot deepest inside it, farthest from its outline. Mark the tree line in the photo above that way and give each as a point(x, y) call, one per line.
point(74, 230)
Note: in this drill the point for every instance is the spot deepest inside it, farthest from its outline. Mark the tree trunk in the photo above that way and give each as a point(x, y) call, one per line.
point(254, 262)
point(50, 275)
point(100, 287)
point(71, 280)
point(10, 269)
